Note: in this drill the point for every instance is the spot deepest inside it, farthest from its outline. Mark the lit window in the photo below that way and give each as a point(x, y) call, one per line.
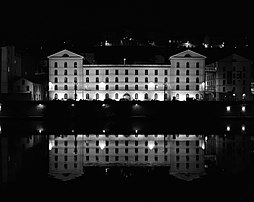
point(136, 96)
point(187, 64)
point(87, 96)
point(65, 96)
point(146, 96)
point(116, 96)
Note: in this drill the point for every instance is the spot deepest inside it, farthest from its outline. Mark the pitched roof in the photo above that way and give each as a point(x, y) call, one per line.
point(65, 53)
point(187, 54)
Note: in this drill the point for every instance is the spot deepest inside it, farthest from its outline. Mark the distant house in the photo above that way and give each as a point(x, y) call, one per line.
point(28, 89)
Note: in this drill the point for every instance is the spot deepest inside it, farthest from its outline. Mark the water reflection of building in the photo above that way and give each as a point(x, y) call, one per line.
point(187, 156)
point(69, 154)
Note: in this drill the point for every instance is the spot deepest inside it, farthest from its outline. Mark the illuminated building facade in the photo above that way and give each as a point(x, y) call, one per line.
point(69, 78)
point(230, 78)
point(69, 154)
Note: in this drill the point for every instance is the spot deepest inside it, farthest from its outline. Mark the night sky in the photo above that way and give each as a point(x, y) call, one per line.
point(46, 22)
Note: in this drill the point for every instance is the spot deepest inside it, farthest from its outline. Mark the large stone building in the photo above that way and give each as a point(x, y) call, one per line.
point(69, 78)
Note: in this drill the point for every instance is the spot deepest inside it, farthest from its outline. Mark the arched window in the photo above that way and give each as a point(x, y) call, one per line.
point(55, 64)
point(126, 87)
point(126, 80)
point(65, 64)
point(136, 79)
point(87, 79)
point(136, 87)
point(65, 87)
point(146, 79)
point(197, 87)
point(177, 64)
point(197, 96)
point(197, 80)
point(97, 79)
point(177, 96)
point(146, 87)
point(65, 80)
point(56, 80)
point(75, 72)
point(97, 87)
point(97, 96)
point(187, 95)
point(197, 64)
point(177, 87)
point(197, 72)
point(116, 96)
point(55, 96)
point(65, 96)
point(106, 96)
point(106, 87)
point(156, 79)
point(106, 79)
point(155, 96)
point(87, 96)
point(165, 96)
point(178, 72)
point(56, 72)
point(136, 96)
point(165, 80)
point(177, 80)
point(146, 96)
point(56, 87)
point(75, 80)
point(116, 79)
point(187, 64)
point(116, 87)
point(75, 65)
point(187, 87)
point(65, 72)
point(187, 80)
point(187, 72)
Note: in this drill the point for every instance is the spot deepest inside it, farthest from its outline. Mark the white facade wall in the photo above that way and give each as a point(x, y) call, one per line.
point(134, 82)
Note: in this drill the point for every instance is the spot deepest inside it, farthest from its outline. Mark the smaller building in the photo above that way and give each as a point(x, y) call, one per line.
point(28, 90)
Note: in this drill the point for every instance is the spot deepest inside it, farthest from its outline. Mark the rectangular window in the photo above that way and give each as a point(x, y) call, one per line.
point(106, 71)
point(166, 72)
point(126, 72)
point(87, 72)
point(146, 72)
point(116, 72)
point(136, 72)
point(97, 72)
point(156, 72)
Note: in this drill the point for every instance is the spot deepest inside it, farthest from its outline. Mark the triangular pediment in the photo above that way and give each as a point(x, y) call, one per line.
point(235, 58)
point(187, 54)
point(65, 54)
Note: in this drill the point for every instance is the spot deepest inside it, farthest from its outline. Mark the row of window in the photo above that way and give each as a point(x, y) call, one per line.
point(75, 64)
point(187, 65)
point(97, 96)
point(97, 150)
point(126, 80)
point(126, 87)
point(127, 72)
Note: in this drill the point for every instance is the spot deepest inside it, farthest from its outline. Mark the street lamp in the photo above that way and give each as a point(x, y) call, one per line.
point(75, 90)
point(124, 61)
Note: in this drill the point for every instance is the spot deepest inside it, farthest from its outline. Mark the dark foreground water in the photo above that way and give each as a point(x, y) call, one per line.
point(127, 166)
